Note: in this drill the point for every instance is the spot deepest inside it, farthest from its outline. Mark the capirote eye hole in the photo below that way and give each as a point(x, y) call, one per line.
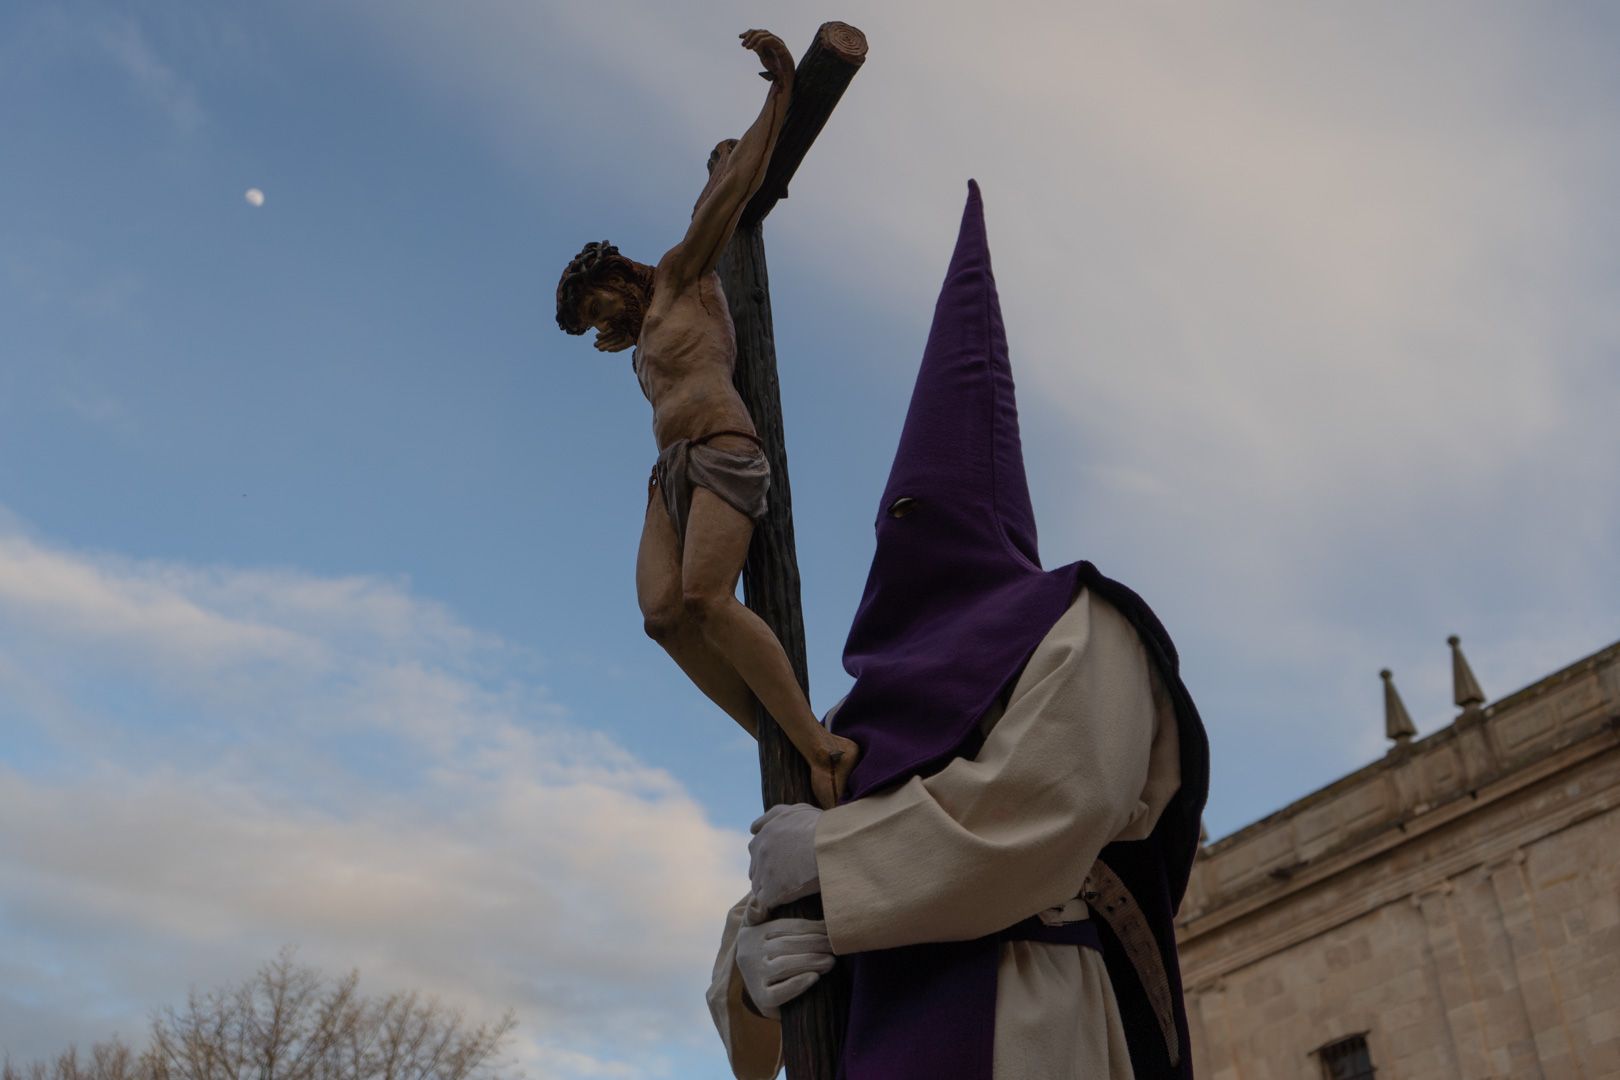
point(903, 506)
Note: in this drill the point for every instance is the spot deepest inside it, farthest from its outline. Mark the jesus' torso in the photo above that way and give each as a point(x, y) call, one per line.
point(684, 359)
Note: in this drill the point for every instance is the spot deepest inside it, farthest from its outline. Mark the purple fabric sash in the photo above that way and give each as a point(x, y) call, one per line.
point(943, 1028)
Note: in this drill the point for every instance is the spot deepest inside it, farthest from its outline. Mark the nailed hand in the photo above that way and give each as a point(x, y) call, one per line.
point(772, 53)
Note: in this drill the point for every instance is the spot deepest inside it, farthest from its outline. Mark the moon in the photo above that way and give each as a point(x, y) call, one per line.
point(254, 196)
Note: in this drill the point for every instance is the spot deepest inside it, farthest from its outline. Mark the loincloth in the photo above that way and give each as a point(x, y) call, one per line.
point(740, 480)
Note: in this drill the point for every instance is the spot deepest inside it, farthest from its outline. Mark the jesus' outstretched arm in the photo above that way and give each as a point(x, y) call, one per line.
point(740, 167)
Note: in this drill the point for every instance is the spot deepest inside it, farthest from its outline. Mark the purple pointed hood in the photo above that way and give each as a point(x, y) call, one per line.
point(956, 600)
point(955, 604)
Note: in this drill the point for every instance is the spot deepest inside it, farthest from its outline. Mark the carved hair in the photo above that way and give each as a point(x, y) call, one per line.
point(597, 264)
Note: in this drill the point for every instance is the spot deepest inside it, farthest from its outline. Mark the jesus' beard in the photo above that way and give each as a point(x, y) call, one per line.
point(631, 315)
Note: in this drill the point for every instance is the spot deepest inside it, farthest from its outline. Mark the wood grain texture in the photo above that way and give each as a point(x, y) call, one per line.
point(813, 1024)
point(824, 72)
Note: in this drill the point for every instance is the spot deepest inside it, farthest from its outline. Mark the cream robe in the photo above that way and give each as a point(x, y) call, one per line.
point(1084, 752)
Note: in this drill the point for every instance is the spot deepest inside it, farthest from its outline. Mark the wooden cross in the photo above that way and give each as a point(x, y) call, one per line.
point(812, 1024)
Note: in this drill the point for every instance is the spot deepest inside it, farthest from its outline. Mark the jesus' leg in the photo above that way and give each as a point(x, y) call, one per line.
point(717, 539)
point(658, 590)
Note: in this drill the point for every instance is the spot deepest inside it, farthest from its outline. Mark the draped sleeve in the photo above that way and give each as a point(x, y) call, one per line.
point(1083, 753)
point(988, 841)
point(753, 1042)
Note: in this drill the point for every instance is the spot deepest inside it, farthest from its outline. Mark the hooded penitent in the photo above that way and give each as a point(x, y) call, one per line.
point(955, 604)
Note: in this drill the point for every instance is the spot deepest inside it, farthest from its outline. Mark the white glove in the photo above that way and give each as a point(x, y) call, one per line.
point(782, 854)
point(780, 958)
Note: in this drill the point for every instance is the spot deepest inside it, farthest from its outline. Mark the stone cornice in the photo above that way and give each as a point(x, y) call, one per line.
point(1552, 726)
point(1289, 926)
point(1608, 657)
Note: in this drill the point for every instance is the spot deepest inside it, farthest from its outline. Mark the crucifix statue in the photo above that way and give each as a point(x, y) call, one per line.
point(710, 482)
point(718, 498)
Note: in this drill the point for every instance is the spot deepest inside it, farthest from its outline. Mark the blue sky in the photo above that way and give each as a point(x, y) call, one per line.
point(317, 621)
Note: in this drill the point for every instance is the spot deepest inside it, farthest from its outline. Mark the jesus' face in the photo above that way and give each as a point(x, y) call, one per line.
point(615, 314)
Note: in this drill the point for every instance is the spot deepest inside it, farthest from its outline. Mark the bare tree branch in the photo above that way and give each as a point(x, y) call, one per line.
point(289, 1022)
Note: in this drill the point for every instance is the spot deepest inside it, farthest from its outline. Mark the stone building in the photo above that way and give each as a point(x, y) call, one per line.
point(1452, 910)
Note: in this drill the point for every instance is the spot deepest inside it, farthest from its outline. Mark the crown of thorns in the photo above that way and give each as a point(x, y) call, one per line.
point(595, 262)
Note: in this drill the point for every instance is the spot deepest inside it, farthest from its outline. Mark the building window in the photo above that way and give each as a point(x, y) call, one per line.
point(1347, 1059)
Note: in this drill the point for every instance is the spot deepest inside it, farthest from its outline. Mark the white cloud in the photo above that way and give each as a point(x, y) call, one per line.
point(97, 407)
point(211, 762)
point(1317, 265)
point(1312, 304)
point(122, 41)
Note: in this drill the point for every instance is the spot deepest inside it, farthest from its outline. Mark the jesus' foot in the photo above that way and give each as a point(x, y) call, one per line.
point(831, 762)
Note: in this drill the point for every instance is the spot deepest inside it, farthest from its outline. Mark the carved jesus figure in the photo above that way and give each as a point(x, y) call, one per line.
point(708, 487)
